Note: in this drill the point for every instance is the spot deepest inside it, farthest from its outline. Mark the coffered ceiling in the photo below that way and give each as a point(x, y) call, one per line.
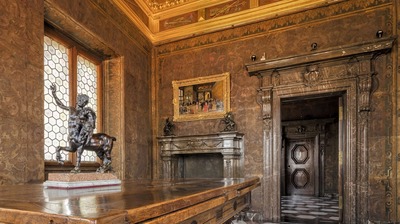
point(168, 20)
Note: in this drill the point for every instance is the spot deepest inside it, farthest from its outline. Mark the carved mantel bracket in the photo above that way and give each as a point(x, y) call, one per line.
point(265, 101)
point(229, 144)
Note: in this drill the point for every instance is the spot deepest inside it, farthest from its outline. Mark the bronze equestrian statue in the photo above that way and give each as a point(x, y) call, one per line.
point(168, 127)
point(81, 124)
point(230, 124)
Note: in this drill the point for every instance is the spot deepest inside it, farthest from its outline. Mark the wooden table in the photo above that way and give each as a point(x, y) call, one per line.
point(190, 201)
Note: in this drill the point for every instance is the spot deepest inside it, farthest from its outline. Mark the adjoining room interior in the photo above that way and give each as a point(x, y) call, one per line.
point(310, 168)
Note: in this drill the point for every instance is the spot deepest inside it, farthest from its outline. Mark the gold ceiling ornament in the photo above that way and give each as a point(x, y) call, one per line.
point(158, 5)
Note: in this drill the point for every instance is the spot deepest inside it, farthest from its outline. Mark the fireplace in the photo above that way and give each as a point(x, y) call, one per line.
point(202, 156)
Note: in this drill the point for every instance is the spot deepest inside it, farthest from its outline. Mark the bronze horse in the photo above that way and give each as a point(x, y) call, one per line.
point(100, 143)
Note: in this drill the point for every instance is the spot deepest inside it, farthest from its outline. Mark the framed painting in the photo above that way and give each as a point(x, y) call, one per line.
point(201, 98)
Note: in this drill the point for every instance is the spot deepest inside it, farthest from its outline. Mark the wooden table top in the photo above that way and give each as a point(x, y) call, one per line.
point(139, 200)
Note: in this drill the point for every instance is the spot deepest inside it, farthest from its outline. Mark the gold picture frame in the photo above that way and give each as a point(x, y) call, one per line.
point(201, 98)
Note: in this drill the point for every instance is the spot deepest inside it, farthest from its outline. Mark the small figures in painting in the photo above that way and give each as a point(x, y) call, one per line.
point(230, 124)
point(168, 128)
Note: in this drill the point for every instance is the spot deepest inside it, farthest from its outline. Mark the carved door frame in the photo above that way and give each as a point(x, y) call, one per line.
point(346, 71)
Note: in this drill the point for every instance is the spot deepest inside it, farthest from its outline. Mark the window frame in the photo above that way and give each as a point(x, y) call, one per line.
point(74, 50)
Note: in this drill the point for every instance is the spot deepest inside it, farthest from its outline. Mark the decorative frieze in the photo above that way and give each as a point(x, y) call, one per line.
point(275, 24)
point(312, 75)
point(309, 62)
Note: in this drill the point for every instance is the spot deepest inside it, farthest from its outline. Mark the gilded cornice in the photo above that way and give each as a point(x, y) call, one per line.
point(198, 17)
point(260, 28)
point(161, 5)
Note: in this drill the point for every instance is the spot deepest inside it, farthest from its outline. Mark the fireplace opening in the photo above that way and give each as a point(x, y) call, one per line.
point(202, 165)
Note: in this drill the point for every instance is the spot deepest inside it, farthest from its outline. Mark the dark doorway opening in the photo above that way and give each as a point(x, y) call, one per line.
point(310, 177)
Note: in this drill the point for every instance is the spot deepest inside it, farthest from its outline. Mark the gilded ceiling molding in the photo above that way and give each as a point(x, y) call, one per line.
point(236, 18)
point(156, 6)
point(147, 31)
point(227, 8)
point(213, 15)
point(258, 28)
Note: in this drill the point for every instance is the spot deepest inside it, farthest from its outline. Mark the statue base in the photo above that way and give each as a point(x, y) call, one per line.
point(80, 180)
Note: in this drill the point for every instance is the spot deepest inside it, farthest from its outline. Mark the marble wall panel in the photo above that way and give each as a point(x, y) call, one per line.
point(381, 158)
point(21, 98)
point(113, 116)
point(396, 119)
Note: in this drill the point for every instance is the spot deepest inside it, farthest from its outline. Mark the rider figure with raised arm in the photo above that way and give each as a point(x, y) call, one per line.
point(81, 122)
point(82, 119)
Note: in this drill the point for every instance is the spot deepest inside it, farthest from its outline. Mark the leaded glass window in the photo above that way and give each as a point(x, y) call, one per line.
point(87, 84)
point(56, 70)
point(83, 78)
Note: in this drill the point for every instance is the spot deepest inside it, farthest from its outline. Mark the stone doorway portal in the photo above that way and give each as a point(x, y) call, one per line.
point(346, 70)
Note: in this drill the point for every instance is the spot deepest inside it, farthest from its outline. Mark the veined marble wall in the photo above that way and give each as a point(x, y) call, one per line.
point(344, 23)
point(21, 92)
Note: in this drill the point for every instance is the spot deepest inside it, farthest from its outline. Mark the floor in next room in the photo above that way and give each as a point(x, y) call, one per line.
point(309, 209)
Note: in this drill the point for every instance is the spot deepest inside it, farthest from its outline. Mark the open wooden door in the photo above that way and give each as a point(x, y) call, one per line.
point(301, 166)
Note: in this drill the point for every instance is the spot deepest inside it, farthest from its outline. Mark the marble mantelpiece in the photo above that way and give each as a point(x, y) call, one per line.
point(228, 144)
